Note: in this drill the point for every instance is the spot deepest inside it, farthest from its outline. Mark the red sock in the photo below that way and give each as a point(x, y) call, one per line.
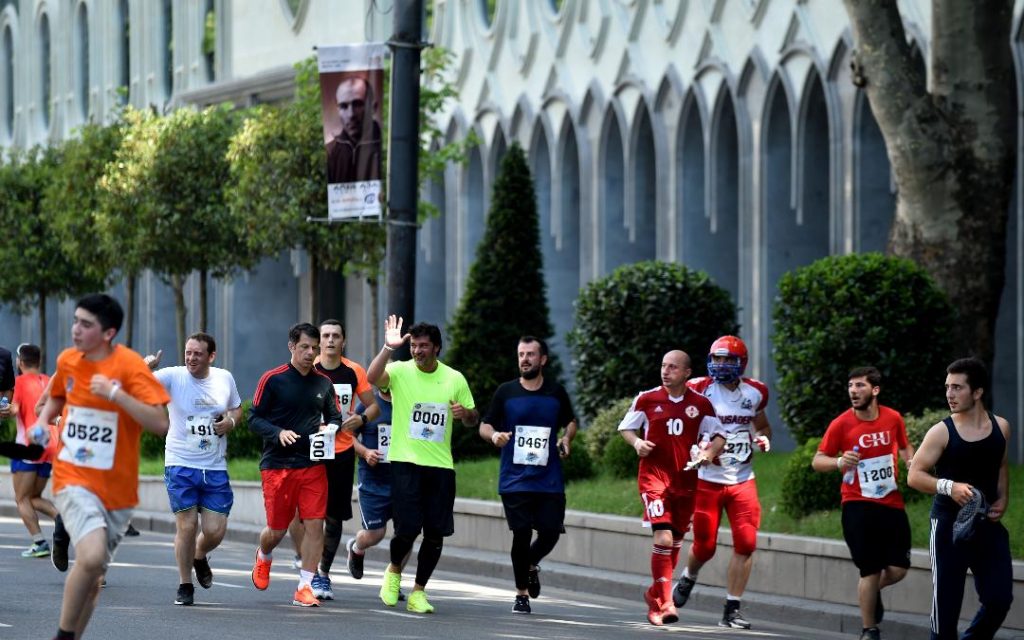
point(677, 545)
point(661, 571)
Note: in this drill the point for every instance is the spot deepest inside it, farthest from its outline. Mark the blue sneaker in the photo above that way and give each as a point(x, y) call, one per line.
point(321, 585)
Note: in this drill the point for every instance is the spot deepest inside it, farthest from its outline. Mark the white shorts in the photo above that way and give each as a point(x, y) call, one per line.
point(83, 512)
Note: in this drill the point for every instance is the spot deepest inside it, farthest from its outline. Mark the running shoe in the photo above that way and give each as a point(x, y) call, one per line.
point(879, 608)
point(37, 550)
point(304, 597)
point(186, 595)
point(654, 606)
point(522, 605)
point(682, 591)
point(298, 562)
point(59, 546)
point(669, 613)
point(261, 572)
point(204, 575)
point(871, 634)
point(417, 603)
point(131, 531)
point(321, 586)
point(731, 616)
point(533, 582)
point(355, 561)
point(390, 587)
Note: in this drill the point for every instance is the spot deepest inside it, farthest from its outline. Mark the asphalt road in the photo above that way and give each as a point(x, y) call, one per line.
point(138, 603)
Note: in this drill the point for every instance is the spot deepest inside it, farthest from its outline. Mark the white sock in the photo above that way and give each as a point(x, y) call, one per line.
point(687, 574)
point(264, 556)
point(305, 577)
point(729, 596)
point(38, 539)
point(356, 549)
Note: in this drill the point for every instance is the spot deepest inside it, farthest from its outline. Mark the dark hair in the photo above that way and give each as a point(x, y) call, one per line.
point(30, 355)
point(873, 375)
point(976, 371)
point(107, 310)
point(302, 329)
point(332, 321)
point(200, 336)
point(431, 331)
point(543, 345)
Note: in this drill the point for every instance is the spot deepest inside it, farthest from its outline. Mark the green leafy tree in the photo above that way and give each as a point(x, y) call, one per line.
point(505, 294)
point(36, 266)
point(626, 321)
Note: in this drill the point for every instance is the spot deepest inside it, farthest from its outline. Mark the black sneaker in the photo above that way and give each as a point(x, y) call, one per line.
point(879, 608)
point(522, 605)
point(871, 633)
point(186, 593)
point(355, 561)
point(732, 618)
point(59, 545)
point(131, 531)
point(682, 591)
point(533, 584)
point(204, 575)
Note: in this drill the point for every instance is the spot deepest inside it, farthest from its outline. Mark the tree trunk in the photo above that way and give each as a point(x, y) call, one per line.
point(178, 286)
point(203, 318)
point(129, 308)
point(42, 331)
point(374, 312)
point(951, 151)
point(314, 289)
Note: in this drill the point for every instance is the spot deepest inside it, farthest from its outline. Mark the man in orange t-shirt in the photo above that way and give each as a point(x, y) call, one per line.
point(107, 395)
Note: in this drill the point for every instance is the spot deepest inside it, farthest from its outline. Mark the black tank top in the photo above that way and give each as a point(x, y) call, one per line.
point(976, 463)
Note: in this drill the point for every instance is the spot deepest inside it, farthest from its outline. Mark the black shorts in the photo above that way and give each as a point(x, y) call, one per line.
point(877, 536)
point(339, 484)
point(534, 510)
point(422, 499)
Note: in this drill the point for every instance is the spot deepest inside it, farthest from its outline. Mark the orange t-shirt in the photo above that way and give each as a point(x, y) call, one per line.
point(349, 380)
point(99, 448)
point(27, 389)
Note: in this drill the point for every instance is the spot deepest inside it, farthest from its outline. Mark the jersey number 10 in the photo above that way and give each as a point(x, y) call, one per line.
point(674, 426)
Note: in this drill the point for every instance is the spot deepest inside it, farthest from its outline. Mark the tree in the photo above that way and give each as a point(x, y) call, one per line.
point(951, 149)
point(505, 295)
point(35, 265)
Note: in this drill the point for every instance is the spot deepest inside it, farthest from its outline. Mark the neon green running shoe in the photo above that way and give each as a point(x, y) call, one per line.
point(390, 587)
point(418, 603)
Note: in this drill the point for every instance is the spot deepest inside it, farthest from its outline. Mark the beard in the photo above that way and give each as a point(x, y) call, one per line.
point(862, 405)
point(530, 374)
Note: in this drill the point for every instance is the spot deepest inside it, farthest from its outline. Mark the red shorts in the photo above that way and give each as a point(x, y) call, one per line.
point(285, 490)
point(662, 507)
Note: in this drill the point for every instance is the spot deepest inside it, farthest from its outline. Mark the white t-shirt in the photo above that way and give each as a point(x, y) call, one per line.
point(736, 409)
point(195, 403)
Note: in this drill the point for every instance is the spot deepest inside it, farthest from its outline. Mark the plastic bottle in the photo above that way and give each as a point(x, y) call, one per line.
point(851, 474)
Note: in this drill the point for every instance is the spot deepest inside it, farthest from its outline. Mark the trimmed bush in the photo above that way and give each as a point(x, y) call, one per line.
point(604, 427)
point(804, 489)
point(620, 459)
point(843, 312)
point(919, 424)
point(579, 465)
point(626, 321)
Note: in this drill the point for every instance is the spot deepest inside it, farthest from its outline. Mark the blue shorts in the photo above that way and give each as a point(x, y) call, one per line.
point(41, 469)
point(188, 488)
point(374, 506)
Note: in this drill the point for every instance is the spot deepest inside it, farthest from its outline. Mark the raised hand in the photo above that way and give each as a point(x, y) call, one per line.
point(393, 336)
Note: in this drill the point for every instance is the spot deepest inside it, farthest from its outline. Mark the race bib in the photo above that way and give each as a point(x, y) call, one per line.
point(531, 446)
point(383, 441)
point(429, 421)
point(737, 448)
point(344, 392)
point(199, 433)
point(90, 438)
point(321, 444)
point(877, 476)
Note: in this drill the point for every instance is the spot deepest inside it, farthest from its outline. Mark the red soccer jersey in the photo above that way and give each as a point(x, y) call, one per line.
point(878, 442)
point(673, 425)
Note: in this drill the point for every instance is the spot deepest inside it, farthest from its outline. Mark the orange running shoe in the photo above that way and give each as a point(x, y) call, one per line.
point(654, 609)
point(304, 597)
point(261, 572)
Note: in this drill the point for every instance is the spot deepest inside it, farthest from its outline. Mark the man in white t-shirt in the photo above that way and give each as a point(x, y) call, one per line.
point(204, 408)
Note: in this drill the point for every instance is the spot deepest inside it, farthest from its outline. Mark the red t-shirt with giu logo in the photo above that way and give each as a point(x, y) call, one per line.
point(879, 441)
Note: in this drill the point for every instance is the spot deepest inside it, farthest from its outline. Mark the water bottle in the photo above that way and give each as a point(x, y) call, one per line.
point(851, 474)
point(4, 402)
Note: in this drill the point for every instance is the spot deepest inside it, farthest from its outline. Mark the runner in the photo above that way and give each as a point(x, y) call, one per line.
point(30, 477)
point(205, 408)
point(728, 482)
point(673, 419)
point(108, 396)
point(862, 444)
point(288, 410)
point(528, 412)
point(426, 396)
point(349, 380)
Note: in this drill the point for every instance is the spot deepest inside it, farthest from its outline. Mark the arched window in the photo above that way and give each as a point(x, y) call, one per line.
point(81, 48)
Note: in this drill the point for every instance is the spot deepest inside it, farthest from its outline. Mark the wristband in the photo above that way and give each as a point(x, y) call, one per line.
point(636, 444)
point(839, 463)
point(233, 423)
point(389, 348)
point(493, 435)
point(944, 487)
point(365, 419)
point(114, 386)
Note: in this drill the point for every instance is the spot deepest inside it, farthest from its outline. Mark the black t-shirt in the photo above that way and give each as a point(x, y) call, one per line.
point(6, 370)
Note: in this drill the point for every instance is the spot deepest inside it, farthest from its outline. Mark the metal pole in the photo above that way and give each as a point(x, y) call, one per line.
point(403, 158)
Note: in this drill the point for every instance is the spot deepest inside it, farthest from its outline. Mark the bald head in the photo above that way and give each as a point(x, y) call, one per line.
point(354, 97)
point(675, 370)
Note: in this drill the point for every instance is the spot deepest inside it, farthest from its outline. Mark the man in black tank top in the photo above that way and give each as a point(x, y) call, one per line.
point(968, 451)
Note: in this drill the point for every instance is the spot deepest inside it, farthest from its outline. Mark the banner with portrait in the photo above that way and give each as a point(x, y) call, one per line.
point(351, 95)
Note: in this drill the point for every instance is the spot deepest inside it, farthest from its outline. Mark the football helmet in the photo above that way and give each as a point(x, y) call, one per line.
point(730, 371)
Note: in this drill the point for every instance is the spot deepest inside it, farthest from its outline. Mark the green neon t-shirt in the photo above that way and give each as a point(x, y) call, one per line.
point(421, 425)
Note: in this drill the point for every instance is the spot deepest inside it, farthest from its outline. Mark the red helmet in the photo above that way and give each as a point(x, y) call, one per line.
point(728, 347)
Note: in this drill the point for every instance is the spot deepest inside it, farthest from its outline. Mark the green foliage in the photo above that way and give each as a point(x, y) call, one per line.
point(855, 310)
point(242, 443)
point(620, 459)
point(804, 490)
point(505, 294)
point(604, 428)
point(919, 424)
point(579, 465)
point(626, 321)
